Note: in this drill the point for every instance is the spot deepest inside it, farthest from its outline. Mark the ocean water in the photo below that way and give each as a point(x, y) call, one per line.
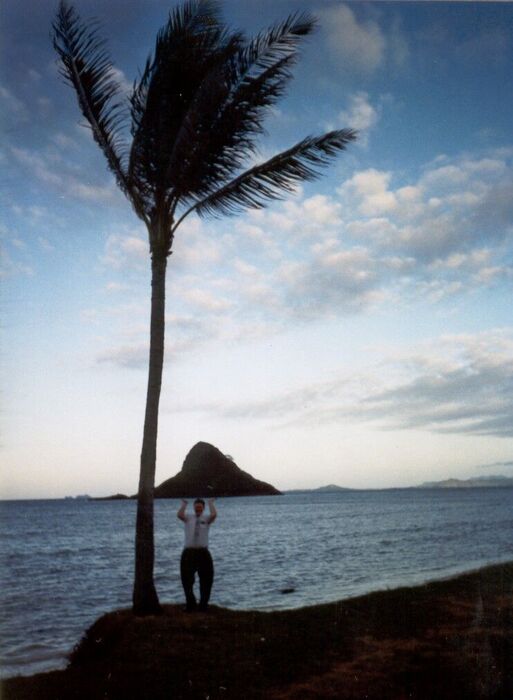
point(63, 563)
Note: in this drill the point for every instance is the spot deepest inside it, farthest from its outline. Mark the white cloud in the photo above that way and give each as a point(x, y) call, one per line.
point(196, 245)
point(207, 301)
point(299, 219)
point(90, 193)
point(375, 242)
point(360, 115)
point(45, 106)
point(11, 104)
point(335, 280)
point(45, 244)
point(451, 384)
point(11, 267)
point(128, 249)
point(360, 45)
point(43, 168)
point(459, 384)
point(38, 167)
point(116, 287)
point(452, 208)
point(320, 211)
point(64, 141)
point(126, 356)
point(187, 335)
point(121, 79)
point(371, 189)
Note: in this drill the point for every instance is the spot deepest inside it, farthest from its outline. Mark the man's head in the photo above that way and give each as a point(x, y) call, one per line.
point(199, 506)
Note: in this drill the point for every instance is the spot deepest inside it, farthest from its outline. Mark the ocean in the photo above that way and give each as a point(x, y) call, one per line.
point(63, 563)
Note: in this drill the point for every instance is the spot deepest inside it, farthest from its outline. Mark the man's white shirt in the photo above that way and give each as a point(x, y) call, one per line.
point(196, 530)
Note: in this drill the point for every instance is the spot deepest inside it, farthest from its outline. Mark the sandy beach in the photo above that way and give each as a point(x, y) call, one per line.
point(446, 639)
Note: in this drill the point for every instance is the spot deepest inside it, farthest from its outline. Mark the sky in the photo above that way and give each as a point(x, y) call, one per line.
point(359, 332)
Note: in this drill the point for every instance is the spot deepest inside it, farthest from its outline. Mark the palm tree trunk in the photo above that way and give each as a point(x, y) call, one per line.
point(145, 599)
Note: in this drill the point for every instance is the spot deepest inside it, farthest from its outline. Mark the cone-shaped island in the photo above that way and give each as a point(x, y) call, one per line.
point(207, 472)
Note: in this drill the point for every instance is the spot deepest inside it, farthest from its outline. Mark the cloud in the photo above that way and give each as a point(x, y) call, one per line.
point(362, 44)
point(196, 245)
point(133, 356)
point(206, 301)
point(496, 465)
point(370, 188)
point(461, 384)
point(335, 280)
point(45, 244)
point(125, 250)
point(12, 105)
point(116, 287)
point(63, 141)
point(188, 335)
point(360, 115)
point(300, 218)
point(37, 166)
point(455, 206)
point(454, 384)
point(12, 266)
point(44, 106)
point(375, 241)
point(120, 78)
point(43, 167)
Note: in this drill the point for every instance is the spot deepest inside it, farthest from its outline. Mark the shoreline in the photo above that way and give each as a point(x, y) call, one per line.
point(448, 638)
point(285, 492)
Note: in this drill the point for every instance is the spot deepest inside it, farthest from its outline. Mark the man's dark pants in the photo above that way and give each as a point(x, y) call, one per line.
point(196, 559)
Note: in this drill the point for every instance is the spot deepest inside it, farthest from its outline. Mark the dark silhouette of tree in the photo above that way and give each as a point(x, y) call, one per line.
point(195, 114)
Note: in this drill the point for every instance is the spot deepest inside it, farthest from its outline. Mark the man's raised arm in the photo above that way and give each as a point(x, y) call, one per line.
point(212, 509)
point(181, 511)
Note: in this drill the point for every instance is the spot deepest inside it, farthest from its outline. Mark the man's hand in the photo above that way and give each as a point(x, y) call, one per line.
point(181, 511)
point(212, 509)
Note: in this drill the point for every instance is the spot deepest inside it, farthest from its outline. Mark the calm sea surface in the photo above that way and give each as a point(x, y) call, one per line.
point(64, 563)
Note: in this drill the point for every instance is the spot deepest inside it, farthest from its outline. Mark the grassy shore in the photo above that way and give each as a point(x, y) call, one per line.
point(447, 639)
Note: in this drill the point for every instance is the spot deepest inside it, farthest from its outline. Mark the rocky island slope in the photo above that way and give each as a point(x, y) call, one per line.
point(207, 472)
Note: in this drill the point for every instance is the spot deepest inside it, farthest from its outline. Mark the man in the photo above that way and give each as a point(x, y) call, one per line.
point(195, 556)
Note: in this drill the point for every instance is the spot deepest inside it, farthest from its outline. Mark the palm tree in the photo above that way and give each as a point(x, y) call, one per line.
point(195, 114)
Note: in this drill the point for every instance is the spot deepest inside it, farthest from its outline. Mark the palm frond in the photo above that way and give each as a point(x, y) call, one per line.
point(225, 117)
point(275, 178)
point(185, 50)
point(271, 45)
point(86, 65)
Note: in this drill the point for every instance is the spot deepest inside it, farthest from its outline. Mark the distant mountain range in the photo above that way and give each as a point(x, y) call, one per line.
point(495, 481)
point(473, 483)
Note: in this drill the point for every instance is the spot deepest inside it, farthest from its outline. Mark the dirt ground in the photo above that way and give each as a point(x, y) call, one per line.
point(448, 639)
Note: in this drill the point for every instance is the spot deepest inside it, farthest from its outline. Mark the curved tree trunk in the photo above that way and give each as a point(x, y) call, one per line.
point(145, 599)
